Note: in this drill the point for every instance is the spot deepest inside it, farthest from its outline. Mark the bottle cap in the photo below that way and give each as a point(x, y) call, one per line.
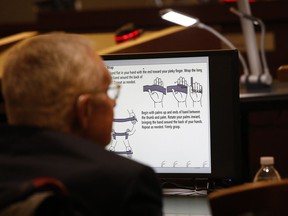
point(267, 160)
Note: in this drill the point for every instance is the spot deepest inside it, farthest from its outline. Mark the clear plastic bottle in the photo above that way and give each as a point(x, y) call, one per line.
point(267, 172)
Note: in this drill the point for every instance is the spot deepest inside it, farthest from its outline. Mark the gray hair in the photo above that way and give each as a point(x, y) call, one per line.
point(43, 77)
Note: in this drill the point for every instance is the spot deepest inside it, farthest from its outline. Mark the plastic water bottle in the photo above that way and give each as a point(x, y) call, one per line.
point(267, 172)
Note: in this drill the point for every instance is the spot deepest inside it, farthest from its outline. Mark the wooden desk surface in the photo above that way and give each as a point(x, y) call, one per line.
point(266, 99)
point(278, 91)
point(263, 124)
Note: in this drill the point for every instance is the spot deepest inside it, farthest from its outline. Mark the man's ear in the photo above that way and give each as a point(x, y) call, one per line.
point(83, 109)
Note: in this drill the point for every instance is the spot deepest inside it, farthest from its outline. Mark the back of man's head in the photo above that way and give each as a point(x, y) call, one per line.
point(44, 75)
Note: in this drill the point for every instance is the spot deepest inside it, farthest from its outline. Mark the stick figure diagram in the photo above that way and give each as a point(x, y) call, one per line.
point(183, 164)
point(123, 128)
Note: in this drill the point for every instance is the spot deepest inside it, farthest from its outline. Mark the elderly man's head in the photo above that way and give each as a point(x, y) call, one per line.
point(57, 81)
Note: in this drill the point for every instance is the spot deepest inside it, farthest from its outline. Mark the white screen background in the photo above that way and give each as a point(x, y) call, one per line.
point(172, 131)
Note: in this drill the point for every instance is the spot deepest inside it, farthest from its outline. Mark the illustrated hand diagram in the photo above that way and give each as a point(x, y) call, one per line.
point(156, 91)
point(196, 92)
point(179, 91)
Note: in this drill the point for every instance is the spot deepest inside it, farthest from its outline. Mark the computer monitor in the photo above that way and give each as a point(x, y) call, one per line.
point(178, 112)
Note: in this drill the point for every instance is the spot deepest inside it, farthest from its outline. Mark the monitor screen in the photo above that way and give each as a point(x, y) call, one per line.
point(178, 112)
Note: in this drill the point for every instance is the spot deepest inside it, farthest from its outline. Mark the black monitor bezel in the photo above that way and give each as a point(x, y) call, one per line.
point(224, 110)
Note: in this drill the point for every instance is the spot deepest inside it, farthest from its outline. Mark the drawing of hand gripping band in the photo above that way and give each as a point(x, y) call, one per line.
point(156, 91)
point(196, 92)
point(180, 91)
point(122, 129)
